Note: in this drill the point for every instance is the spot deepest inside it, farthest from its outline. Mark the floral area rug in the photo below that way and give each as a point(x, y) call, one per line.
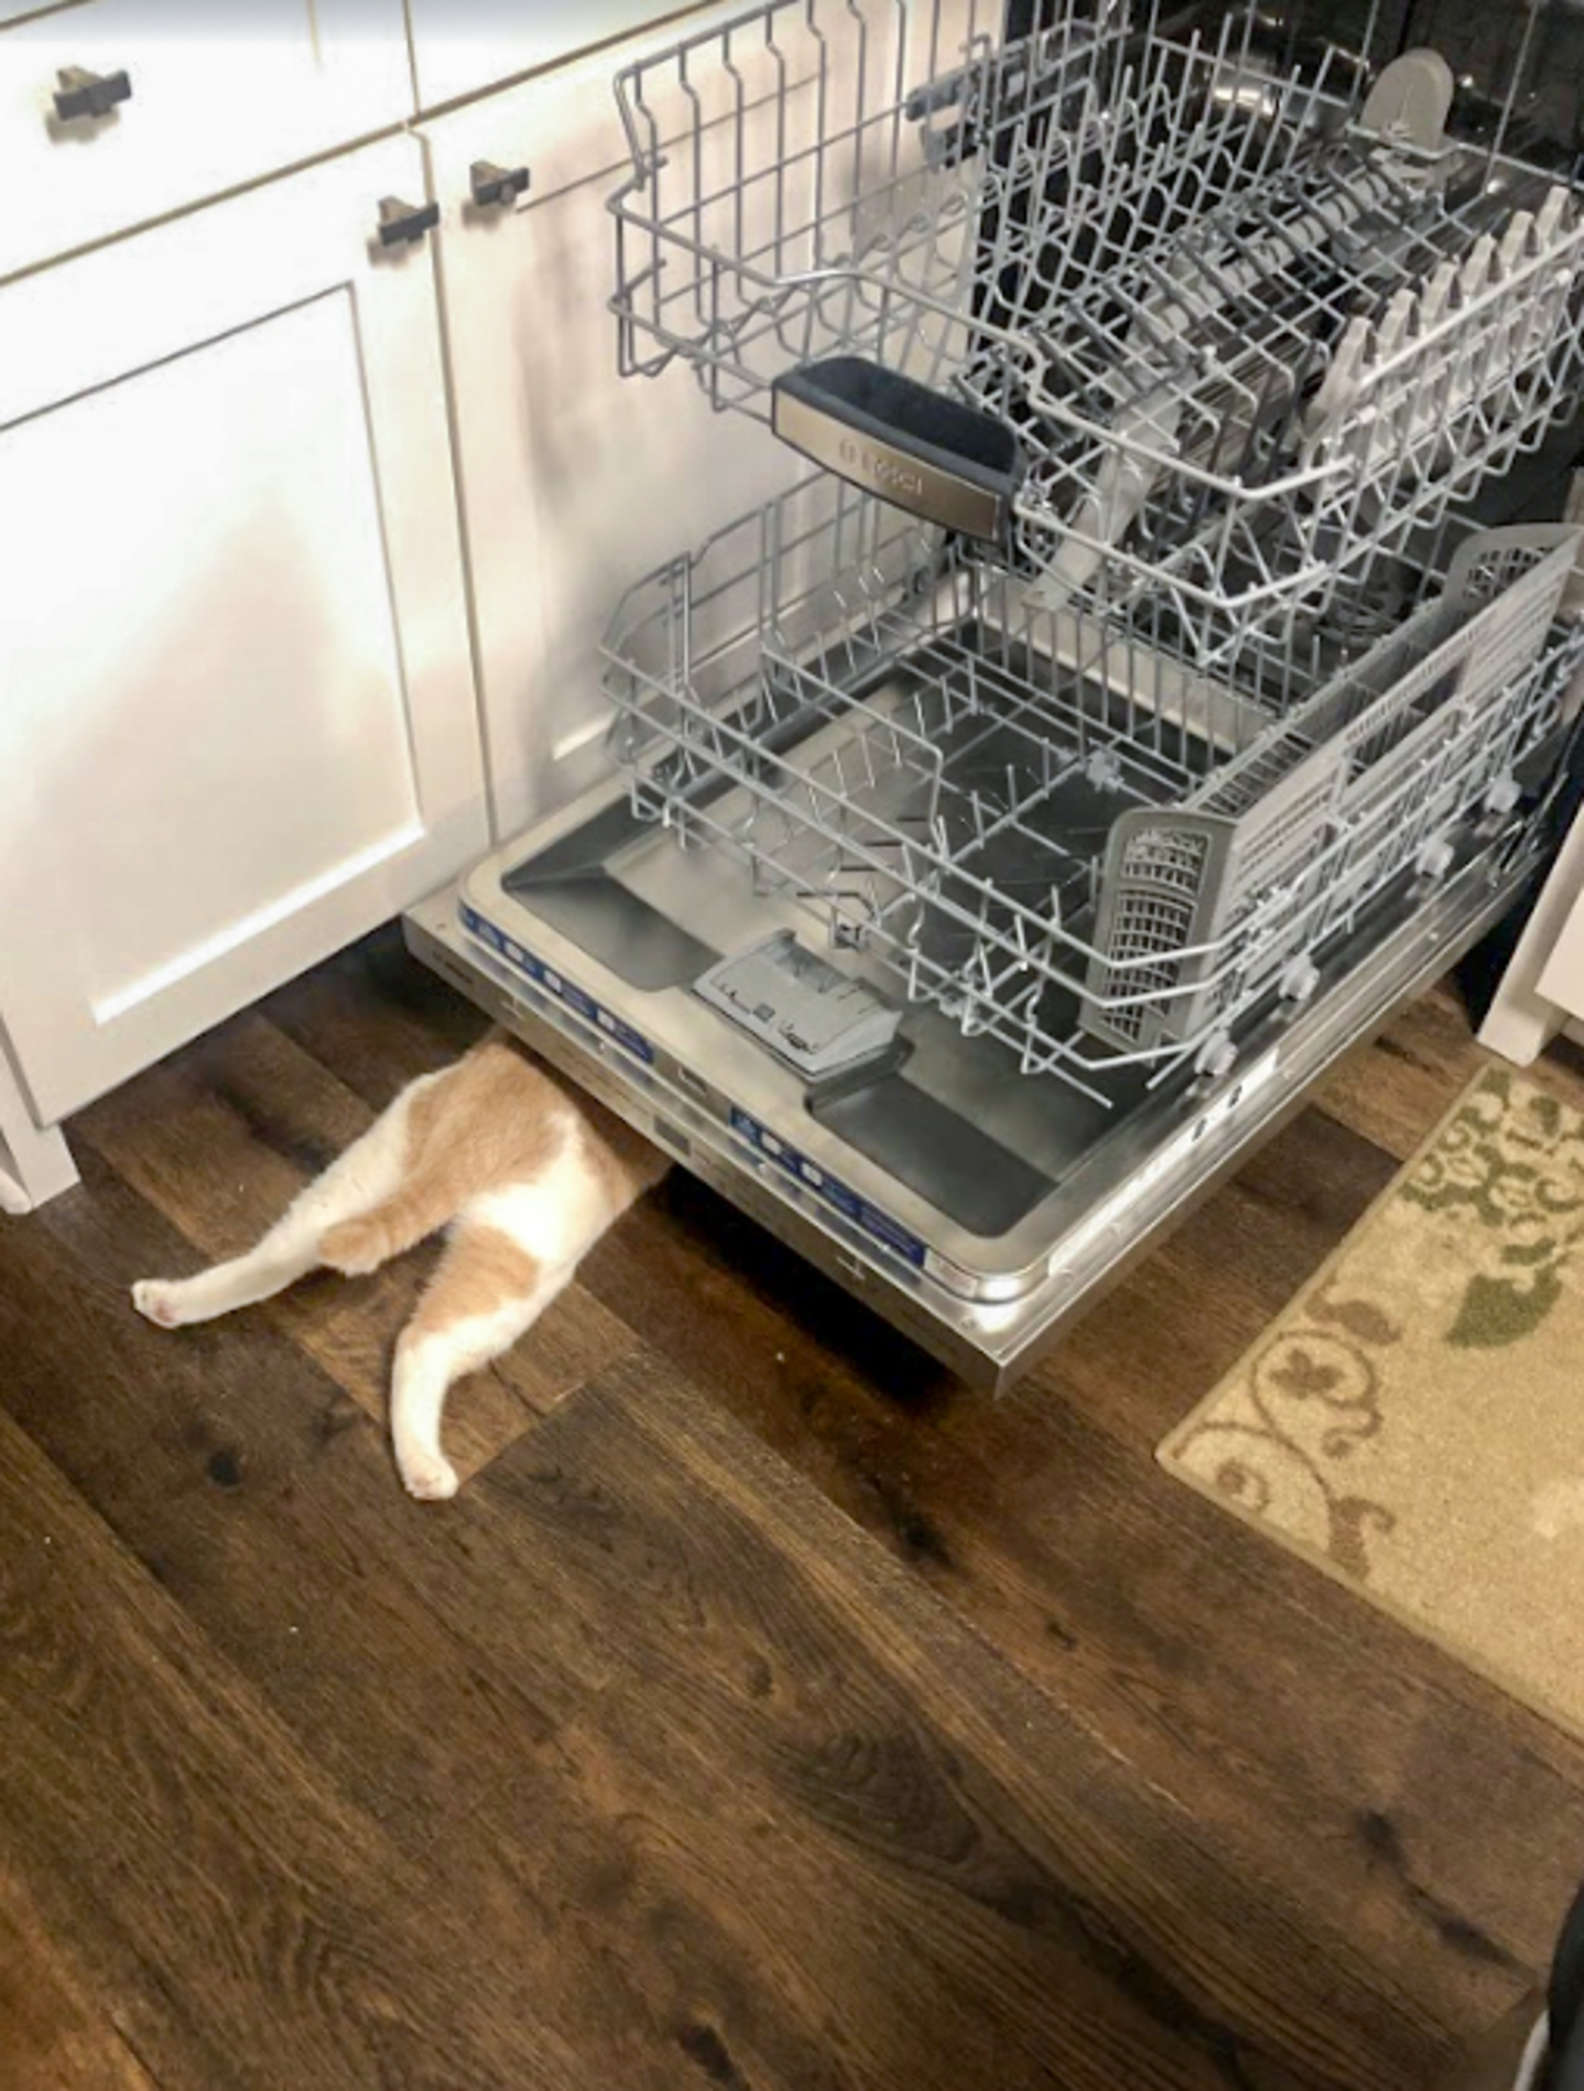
point(1414, 1422)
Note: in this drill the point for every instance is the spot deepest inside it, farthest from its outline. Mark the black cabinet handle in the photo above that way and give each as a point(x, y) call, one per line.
point(82, 93)
point(493, 185)
point(400, 223)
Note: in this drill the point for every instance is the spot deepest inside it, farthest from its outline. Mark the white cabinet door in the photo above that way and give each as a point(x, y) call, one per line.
point(237, 722)
point(213, 98)
point(575, 482)
point(460, 46)
point(1561, 980)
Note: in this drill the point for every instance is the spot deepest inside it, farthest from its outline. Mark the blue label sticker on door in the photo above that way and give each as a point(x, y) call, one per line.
point(829, 1188)
point(543, 976)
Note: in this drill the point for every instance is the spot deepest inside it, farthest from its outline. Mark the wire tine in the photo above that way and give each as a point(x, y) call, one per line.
point(1531, 13)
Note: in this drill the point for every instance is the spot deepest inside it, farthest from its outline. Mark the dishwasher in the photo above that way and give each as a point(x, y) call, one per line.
point(1162, 667)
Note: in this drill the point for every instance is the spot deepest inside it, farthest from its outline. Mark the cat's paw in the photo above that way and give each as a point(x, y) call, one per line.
point(429, 1477)
point(355, 1247)
point(159, 1300)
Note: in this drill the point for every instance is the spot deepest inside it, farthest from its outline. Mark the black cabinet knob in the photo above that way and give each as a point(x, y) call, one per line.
point(82, 93)
point(494, 185)
point(400, 223)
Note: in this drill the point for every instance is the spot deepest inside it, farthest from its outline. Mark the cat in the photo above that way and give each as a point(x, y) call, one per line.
point(528, 1174)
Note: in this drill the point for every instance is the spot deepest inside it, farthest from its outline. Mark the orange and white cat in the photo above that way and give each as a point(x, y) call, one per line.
point(528, 1175)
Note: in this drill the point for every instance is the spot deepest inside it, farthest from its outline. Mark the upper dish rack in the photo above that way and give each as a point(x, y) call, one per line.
point(1129, 308)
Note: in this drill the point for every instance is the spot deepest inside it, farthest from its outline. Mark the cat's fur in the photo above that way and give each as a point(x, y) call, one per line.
point(527, 1173)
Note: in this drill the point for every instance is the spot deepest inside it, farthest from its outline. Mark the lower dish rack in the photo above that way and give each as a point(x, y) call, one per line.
point(1046, 823)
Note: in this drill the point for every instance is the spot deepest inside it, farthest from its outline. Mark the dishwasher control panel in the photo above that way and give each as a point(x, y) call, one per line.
point(801, 1006)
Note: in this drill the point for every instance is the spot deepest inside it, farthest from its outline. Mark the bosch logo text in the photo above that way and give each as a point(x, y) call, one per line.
point(880, 470)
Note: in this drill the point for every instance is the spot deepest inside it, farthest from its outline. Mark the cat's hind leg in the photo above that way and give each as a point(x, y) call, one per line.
point(487, 1291)
point(364, 1240)
point(364, 1177)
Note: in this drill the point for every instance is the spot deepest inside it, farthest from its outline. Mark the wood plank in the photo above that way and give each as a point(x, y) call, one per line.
point(54, 2036)
point(1393, 1090)
point(429, 1661)
point(729, 1792)
point(258, 1494)
point(982, 1855)
point(1311, 1732)
point(222, 1137)
point(263, 1929)
point(1153, 1348)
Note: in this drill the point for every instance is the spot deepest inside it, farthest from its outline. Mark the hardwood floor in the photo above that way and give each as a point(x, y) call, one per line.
point(768, 1712)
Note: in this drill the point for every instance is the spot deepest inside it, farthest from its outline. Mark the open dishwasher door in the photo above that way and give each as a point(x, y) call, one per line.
point(1016, 818)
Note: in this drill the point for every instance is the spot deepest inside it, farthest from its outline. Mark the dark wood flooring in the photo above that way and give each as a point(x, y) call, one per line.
point(768, 1712)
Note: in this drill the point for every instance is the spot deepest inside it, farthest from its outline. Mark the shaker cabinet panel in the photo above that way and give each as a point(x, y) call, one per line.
point(238, 714)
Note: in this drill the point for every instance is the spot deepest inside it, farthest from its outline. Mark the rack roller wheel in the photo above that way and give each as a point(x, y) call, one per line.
point(1216, 1057)
point(1435, 857)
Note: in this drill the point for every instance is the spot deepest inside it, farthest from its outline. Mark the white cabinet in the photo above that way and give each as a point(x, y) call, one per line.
point(237, 725)
point(460, 46)
point(1562, 980)
point(1543, 987)
point(189, 102)
point(575, 483)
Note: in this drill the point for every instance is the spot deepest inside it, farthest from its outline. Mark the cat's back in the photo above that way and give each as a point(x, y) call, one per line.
point(503, 1116)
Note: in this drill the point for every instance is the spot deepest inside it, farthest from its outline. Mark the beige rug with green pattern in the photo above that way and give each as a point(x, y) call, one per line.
point(1414, 1422)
